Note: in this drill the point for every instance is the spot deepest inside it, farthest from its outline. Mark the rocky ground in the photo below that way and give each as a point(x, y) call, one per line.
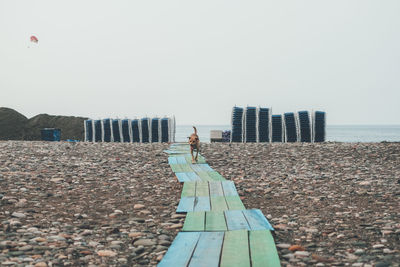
point(81, 204)
point(331, 204)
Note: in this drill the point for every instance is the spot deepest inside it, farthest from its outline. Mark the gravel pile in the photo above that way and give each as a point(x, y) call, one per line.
point(332, 204)
point(81, 204)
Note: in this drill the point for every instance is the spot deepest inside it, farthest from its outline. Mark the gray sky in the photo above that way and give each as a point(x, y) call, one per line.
point(197, 59)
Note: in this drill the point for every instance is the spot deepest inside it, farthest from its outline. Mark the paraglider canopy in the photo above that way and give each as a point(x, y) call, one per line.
point(34, 39)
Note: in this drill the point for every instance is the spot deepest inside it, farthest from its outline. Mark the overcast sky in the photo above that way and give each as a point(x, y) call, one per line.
point(197, 59)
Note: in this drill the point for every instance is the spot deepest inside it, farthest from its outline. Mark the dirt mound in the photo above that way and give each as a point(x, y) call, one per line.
point(15, 126)
point(12, 124)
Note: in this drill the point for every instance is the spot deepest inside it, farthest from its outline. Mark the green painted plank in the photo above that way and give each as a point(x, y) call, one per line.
point(235, 220)
point(218, 203)
point(176, 167)
point(234, 203)
point(194, 222)
point(200, 159)
point(215, 221)
point(215, 176)
point(201, 204)
point(262, 249)
point(235, 250)
point(215, 189)
point(208, 250)
point(181, 250)
point(202, 189)
point(189, 189)
point(204, 176)
point(185, 168)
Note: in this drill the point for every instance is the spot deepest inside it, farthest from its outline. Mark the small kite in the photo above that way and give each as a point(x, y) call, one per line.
point(34, 39)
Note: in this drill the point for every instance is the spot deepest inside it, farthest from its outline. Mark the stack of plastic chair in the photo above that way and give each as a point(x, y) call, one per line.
point(319, 126)
point(251, 125)
point(125, 131)
point(145, 130)
point(305, 127)
point(97, 131)
point(263, 124)
point(107, 130)
point(226, 136)
point(154, 130)
point(237, 120)
point(115, 131)
point(290, 127)
point(164, 130)
point(88, 130)
point(277, 128)
point(135, 131)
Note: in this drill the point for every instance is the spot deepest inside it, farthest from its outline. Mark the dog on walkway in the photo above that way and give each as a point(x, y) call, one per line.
point(194, 143)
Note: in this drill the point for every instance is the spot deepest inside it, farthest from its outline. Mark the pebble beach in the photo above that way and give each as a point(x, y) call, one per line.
point(112, 204)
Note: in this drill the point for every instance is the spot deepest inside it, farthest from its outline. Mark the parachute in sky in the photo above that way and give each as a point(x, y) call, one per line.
point(34, 39)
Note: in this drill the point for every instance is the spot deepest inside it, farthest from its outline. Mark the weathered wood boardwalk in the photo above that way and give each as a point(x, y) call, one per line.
point(218, 229)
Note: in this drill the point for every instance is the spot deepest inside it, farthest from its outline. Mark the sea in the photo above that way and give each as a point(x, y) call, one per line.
point(334, 133)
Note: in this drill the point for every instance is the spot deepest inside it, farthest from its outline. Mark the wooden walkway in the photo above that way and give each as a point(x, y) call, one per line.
point(218, 230)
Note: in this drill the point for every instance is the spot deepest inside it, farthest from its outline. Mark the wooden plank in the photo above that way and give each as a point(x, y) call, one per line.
point(176, 168)
point(200, 159)
point(257, 220)
point(208, 250)
point(181, 160)
point(205, 167)
point(194, 222)
point(215, 221)
point(193, 176)
point(235, 220)
point(215, 189)
point(235, 249)
point(204, 176)
point(202, 189)
point(201, 204)
point(184, 167)
point(189, 189)
point(172, 160)
point(182, 177)
point(215, 176)
point(229, 188)
point(262, 249)
point(234, 203)
point(185, 204)
point(195, 167)
point(181, 250)
point(218, 203)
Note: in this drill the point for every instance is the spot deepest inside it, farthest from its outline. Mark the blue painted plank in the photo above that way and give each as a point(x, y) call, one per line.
point(172, 160)
point(208, 250)
point(229, 188)
point(181, 250)
point(201, 204)
point(205, 167)
point(181, 160)
point(216, 189)
point(235, 220)
point(185, 204)
point(182, 177)
point(257, 220)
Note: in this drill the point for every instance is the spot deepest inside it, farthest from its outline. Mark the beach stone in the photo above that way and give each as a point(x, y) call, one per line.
point(19, 215)
point(144, 242)
point(138, 206)
point(106, 253)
